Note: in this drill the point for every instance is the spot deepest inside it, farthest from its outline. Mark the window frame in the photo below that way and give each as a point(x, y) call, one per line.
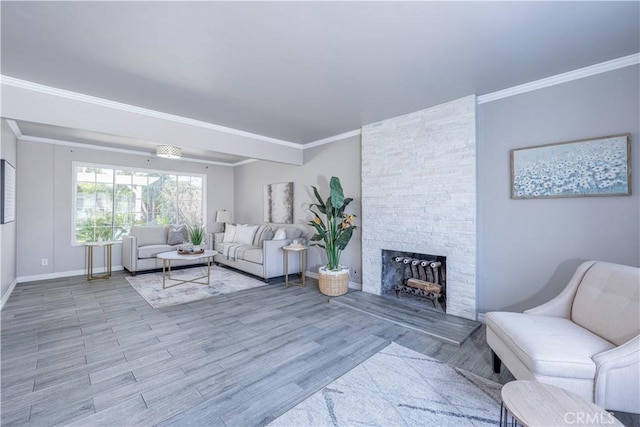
point(133, 169)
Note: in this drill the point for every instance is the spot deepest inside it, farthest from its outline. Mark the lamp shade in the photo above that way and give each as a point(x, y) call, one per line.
point(169, 151)
point(223, 216)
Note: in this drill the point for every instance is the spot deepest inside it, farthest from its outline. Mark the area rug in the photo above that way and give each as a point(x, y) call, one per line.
point(400, 387)
point(222, 281)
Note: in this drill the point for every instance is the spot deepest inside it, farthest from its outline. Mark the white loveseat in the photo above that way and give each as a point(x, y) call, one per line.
point(586, 340)
point(257, 249)
point(143, 243)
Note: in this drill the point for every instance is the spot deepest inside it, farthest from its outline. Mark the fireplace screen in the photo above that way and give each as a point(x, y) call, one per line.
point(419, 275)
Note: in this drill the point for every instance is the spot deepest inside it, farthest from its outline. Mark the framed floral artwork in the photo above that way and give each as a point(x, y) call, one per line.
point(589, 167)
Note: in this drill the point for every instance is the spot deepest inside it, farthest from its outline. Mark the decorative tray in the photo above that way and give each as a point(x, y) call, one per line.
point(181, 252)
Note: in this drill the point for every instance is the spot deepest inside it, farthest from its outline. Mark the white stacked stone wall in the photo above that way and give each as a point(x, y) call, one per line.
point(419, 195)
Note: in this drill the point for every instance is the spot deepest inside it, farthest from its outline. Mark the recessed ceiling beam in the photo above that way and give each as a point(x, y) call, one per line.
point(41, 104)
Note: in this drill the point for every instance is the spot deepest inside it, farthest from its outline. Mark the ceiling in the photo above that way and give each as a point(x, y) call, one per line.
point(300, 71)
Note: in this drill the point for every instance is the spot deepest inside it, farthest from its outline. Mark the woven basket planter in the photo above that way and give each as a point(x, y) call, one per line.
point(333, 283)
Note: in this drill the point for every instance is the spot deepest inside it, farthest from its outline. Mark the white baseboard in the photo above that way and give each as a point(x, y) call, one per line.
point(61, 274)
point(480, 317)
point(352, 285)
point(7, 294)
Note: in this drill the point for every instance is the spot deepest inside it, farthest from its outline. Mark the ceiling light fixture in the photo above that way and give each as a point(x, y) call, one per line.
point(169, 151)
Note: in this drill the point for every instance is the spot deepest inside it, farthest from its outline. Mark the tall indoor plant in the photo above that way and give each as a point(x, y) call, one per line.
point(334, 229)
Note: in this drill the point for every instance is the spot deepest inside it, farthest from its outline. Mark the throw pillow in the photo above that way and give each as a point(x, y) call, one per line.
point(263, 233)
point(177, 235)
point(268, 235)
point(293, 233)
point(280, 234)
point(229, 233)
point(245, 233)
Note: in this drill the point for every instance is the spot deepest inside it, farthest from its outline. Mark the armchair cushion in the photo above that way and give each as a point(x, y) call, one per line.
point(606, 289)
point(549, 346)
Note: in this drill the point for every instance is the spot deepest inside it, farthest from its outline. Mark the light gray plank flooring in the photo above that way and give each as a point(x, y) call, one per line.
point(451, 329)
point(91, 354)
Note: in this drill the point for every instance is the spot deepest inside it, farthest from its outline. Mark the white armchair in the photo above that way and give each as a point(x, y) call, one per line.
point(585, 340)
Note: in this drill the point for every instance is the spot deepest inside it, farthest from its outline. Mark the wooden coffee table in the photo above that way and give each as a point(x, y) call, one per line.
point(535, 404)
point(167, 257)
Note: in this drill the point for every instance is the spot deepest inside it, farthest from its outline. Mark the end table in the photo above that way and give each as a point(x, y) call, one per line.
point(302, 250)
point(107, 259)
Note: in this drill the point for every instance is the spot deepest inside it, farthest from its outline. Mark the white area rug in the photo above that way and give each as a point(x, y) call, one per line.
point(400, 387)
point(222, 281)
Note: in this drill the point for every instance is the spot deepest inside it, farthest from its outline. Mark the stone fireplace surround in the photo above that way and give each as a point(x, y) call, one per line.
point(419, 195)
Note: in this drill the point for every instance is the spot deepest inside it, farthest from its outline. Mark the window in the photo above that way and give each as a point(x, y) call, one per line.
point(109, 200)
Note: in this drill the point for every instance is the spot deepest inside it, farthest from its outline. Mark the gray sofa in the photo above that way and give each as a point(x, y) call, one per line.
point(257, 253)
point(143, 243)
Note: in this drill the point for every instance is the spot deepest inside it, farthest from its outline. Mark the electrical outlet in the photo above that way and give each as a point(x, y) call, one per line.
point(45, 261)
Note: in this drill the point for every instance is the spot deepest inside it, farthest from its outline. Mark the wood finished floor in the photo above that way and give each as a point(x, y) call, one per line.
point(88, 354)
point(445, 327)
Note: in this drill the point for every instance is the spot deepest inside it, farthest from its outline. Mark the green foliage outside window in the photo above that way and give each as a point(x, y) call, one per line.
point(109, 202)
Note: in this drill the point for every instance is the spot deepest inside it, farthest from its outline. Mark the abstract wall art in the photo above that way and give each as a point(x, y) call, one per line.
point(278, 203)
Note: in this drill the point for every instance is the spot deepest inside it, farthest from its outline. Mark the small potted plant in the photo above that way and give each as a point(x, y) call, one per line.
point(334, 229)
point(196, 236)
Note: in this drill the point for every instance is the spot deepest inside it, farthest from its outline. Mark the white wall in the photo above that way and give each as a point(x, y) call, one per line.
point(8, 151)
point(419, 195)
point(45, 204)
point(340, 158)
point(528, 249)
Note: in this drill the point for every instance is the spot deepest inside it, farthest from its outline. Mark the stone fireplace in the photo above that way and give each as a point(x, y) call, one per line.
point(419, 196)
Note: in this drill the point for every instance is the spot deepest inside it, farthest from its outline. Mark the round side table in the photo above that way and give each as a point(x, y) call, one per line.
point(535, 404)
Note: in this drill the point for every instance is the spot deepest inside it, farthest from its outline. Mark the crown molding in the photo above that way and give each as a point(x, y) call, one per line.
point(244, 162)
point(14, 128)
point(114, 150)
point(580, 73)
point(331, 139)
point(603, 67)
point(37, 87)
